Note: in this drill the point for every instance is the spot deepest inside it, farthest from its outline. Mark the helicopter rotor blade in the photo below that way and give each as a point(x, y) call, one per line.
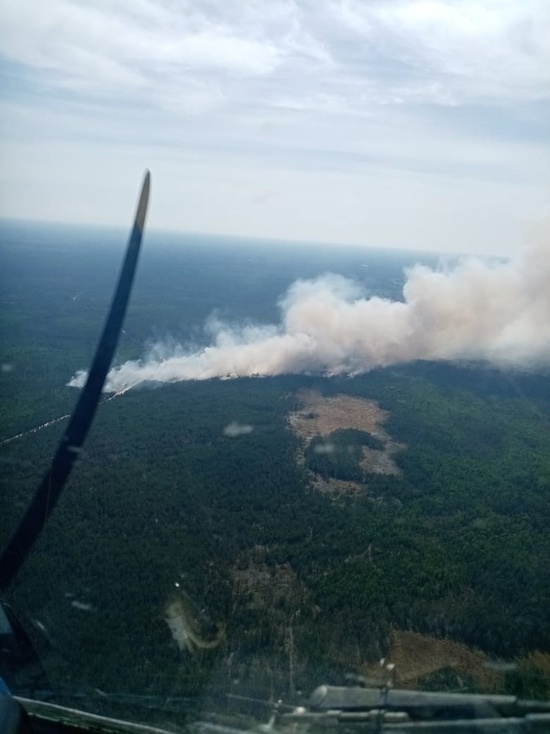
point(49, 490)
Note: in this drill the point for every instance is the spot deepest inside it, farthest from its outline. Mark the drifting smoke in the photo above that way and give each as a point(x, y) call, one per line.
point(498, 312)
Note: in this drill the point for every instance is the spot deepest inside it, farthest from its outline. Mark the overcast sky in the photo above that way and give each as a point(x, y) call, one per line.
point(377, 122)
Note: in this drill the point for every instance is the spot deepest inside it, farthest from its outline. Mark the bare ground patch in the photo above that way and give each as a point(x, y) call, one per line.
point(268, 589)
point(335, 487)
point(417, 656)
point(321, 416)
point(265, 582)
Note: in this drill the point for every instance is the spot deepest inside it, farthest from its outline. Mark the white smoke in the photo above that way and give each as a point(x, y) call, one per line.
point(498, 312)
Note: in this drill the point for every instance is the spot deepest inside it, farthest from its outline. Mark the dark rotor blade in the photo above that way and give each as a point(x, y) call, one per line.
point(51, 486)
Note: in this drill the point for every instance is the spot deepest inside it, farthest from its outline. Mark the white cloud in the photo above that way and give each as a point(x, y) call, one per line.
point(342, 110)
point(453, 52)
point(389, 51)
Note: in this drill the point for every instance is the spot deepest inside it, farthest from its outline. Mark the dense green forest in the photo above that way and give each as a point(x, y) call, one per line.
point(295, 587)
point(339, 454)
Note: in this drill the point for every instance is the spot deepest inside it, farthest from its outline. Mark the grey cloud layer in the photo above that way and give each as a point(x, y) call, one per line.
point(347, 54)
point(268, 113)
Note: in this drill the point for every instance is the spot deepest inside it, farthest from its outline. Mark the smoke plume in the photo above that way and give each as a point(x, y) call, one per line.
point(499, 312)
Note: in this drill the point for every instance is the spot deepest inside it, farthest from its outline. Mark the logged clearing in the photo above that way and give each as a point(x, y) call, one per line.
point(321, 416)
point(417, 656)
point(265, 584)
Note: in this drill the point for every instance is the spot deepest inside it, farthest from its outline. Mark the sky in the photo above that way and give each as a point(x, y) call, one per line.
point(390, 123)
